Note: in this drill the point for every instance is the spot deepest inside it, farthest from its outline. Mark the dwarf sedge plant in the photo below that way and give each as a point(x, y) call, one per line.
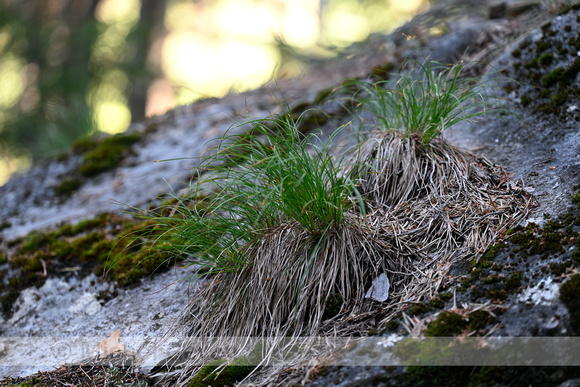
point(253, 183)
point(280, 225)
point(426, 100)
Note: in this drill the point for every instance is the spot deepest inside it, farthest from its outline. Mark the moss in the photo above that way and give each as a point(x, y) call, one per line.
point(392, 325)
point(436, 303)
point(546, 59)
point(7, 299)
point(107, 154)
point(546, 245)
point(556, 75)
point(559, 98)
point(545, 93)
point(497, 295)
point(575, 198)
point(322, 96)
point(465, 283)
point(546, 25)
point(89, 245)
point(228, 376)
point(98, 221)
point(479, 319)
point(34, 241)
point(526, 100)
point(573, 70)
point(418, 309)
point(490, 279)
point(367, 351)
point(67, 186)
point(536, 241)
point(312, 120)
point(516, 53)
point(299, 110)
point(491, 253)
point(532, 64)
point(570, 297)
point(383, 72)
point(514, 281)
point(446, 296)
point(446, 324)
point(558, 269)
point(542, 46)
point(524, 44)
point(84, 145)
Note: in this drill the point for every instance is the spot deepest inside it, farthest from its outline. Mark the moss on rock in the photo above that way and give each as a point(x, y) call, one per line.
point(209, 375)
point(570, 296)
point(107, 154)
point(446, 324)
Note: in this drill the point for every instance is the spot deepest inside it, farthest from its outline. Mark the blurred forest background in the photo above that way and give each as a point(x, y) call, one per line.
point(73, 68)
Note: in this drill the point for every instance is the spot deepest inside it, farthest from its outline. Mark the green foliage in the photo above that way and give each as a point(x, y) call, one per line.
point(258, 182)
point(71, 62)
point(424, 102)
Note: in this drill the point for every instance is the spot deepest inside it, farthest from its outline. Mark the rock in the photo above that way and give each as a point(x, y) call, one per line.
point(543, 152)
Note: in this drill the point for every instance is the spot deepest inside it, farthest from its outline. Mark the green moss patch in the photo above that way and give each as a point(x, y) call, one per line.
point(109, 244)
point(209, 375)
point(99, 155)
point(447, 324)
point(570, 296)
point(575, 197)
point(550, 65)
point(67, 186)
point(108, 154)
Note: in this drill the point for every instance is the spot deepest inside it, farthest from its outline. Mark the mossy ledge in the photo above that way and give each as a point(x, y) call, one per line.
point(89, 246)
point(99, 155)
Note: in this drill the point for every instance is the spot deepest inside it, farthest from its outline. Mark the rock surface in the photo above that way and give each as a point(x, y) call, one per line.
point(542, 148)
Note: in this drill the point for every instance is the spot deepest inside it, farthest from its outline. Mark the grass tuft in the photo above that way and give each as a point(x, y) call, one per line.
point(425, 101)
point(290, 239)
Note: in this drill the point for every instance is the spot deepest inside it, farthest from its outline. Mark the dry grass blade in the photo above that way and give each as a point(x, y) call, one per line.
point(433, 204)
point(293, 240)
point(286, 291)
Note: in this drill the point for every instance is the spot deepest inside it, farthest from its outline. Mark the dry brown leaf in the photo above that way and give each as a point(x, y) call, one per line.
point(111, 345)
